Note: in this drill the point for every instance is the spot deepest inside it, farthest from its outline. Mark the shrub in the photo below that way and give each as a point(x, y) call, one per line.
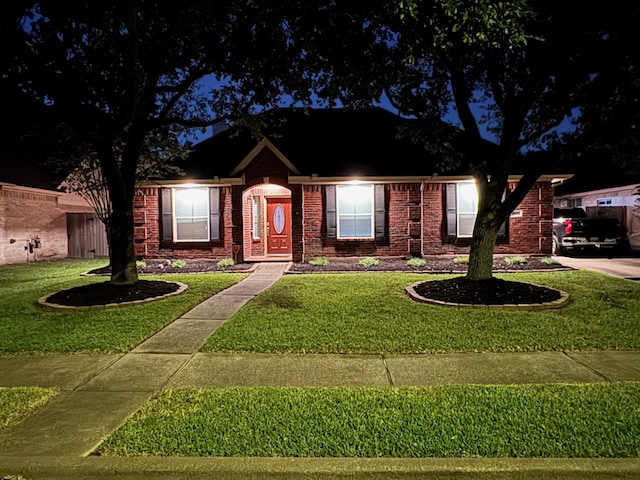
point(225, 262)
point(461, 259)
point(369, 262)
point(178, 263)
point(549, 261)
point(517, 260)
point(319, 262)
point(416, 262)
point(140, 264)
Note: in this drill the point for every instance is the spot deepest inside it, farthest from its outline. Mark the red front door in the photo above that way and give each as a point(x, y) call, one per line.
point(278, 225)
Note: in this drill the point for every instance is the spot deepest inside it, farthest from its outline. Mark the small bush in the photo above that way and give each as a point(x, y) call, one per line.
point(517, 260)
point(225, 262)
point(416, 262)
point(141, 264)
point(369, 262)
point(549, 261)
point(461, 259)
point(319, 262)
point(178, 263)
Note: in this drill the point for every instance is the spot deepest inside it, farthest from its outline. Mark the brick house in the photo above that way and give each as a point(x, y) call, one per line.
point(42, 224)
point(323, 183)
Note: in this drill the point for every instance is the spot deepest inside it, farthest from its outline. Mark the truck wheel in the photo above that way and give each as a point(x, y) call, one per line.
point(556, 248)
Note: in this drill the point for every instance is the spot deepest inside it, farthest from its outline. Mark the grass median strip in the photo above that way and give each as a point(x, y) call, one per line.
point(18, 402)
point(554, 421)
point(27, 328)
point(370, 313)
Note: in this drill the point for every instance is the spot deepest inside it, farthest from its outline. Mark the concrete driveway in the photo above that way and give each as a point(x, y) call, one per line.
point(623, 266)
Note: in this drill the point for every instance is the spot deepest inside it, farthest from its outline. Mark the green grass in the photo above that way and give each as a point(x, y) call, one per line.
point(26, 328)
point(578, 420)
point(18, 402)
point(370, 313)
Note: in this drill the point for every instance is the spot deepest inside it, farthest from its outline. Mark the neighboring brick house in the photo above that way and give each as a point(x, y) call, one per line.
point(38, 224)
point(323, 183)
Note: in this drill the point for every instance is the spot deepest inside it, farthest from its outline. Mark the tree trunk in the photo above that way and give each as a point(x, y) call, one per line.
point(123, 257)
point(485, 234)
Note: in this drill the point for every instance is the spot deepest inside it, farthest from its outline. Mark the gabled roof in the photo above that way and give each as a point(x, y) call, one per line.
point(322, 142)
point(324, 145)
point(262, 144)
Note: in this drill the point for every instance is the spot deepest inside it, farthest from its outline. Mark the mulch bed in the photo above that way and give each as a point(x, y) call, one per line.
point(485, 292)
point(106, 293)
point(433, 265)
point(156, 267)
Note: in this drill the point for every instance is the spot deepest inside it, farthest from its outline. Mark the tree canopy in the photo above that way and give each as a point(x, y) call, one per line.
point(123, 80)
point(502, 79)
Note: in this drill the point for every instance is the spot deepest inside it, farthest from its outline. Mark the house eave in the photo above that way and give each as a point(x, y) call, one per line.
point(316, 180)
point(213, 182)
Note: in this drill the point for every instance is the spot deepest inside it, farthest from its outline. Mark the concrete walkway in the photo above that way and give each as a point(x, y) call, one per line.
point(98, 393)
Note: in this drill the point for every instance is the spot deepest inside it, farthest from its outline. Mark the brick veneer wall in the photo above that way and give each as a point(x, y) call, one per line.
point(267, 168)
point(27, 212)
point(403, 212)
point(416, 225)
point(415, 222)
point(146, 218)
point(527, 234)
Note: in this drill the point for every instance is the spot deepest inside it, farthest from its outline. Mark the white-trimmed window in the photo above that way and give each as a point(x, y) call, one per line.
point(467, 208)
point(355, 211)
point(190, 214)
point(461, 202)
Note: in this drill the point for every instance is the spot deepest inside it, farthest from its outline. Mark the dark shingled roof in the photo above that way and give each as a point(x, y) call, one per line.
point(326, 142)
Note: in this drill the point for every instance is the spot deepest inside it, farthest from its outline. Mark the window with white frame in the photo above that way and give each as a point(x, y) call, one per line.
point(467, 208)
point(355, 211)
point(191, 214)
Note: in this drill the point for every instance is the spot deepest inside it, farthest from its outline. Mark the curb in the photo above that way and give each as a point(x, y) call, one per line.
point(320, 468)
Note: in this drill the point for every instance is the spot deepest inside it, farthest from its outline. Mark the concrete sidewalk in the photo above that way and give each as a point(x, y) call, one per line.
point(98, 393)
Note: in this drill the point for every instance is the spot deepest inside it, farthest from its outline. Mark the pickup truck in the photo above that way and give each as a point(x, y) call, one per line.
point(574, 231)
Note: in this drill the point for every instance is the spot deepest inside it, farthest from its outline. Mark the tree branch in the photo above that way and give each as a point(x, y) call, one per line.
point(461, 95)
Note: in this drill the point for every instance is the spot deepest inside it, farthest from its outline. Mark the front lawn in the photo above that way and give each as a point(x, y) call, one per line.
point(26, 327)
point(578, 420)
point(370, 313)
point(18, 402)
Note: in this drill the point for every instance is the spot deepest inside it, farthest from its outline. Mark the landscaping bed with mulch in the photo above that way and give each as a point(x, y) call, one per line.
point(457, 290)
point(436, 264)
point(157, 267)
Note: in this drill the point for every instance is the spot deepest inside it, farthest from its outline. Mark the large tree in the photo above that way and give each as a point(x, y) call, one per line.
point(126, 77)
point(526, 92)
point(491, 83)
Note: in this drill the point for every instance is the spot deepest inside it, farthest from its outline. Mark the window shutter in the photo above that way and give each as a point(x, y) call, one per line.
point(166, 215)
point(380, 212)
point(451, 209)
point(330, 211)
point(502, 231)
point(214, 214)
